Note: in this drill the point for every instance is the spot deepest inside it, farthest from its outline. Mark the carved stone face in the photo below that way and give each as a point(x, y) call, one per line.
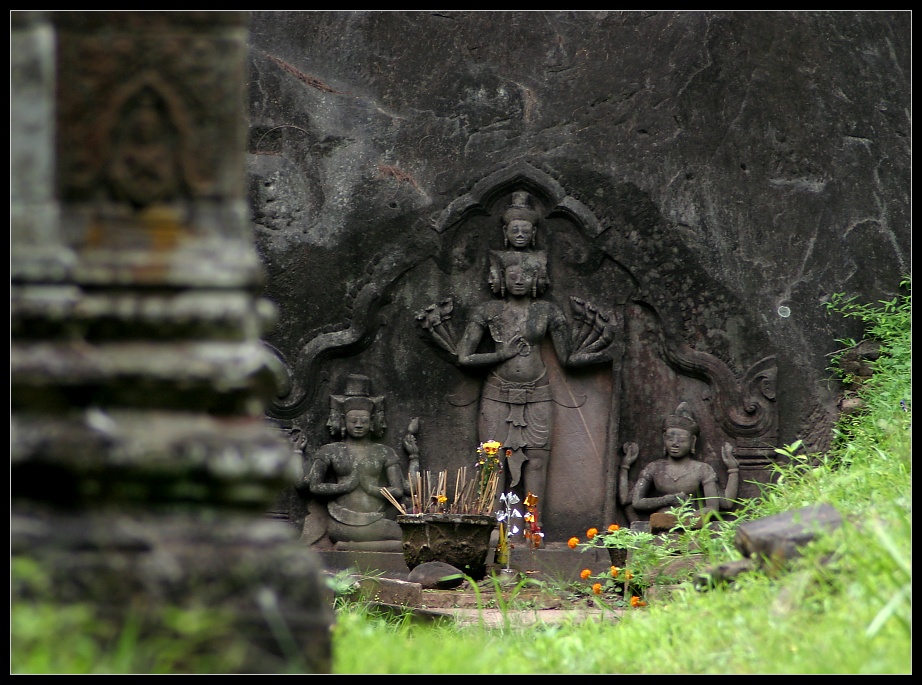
point(358, 423)
point(520, 233)
point(519, 282)
point(678, 442)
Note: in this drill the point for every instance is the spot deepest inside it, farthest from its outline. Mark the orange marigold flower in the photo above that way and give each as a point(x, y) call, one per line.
point(628, 575)
point(592, 532)
point(613, 527)
point(597, 588)
point(585, 573)
point(637, 602)
point(572, 543)
point(614, 571)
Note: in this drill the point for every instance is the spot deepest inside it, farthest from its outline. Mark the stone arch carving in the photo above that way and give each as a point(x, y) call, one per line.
point(523, 176)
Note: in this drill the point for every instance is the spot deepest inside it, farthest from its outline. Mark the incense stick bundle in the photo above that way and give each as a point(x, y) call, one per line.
point(390, 498)
point(471, 495)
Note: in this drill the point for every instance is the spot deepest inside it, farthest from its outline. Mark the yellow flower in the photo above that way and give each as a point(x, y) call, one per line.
point(491, 447)
point(572, 543)
point(585, 573)
point(614, 571)
point(592, 532)
point(628, 575)
point(613, 527)
point(442, 499)
point(597, 588)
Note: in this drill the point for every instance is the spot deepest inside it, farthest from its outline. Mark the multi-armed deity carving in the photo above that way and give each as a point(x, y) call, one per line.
point(505, 335)
point(560, 375)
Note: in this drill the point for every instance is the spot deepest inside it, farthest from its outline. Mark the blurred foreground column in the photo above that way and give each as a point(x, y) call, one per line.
point(141, 464)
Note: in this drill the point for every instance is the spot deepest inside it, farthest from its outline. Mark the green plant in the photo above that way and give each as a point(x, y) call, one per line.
point(643, 555)
point(647, 556)
point(886, 322)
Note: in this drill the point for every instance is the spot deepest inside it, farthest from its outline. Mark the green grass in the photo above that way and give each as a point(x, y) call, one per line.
point(844, 607)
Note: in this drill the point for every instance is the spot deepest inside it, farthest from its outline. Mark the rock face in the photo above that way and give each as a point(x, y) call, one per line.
point(141, 461)
point(705, 180)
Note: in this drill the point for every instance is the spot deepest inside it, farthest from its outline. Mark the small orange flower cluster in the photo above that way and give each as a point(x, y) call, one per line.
point(590, 534)
point(621, 574)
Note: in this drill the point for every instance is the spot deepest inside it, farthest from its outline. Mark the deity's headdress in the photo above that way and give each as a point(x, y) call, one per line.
point(521, 207)
point(356, 396)
point(682, 418)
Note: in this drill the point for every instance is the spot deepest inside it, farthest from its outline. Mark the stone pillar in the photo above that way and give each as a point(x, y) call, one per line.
point(141, 464)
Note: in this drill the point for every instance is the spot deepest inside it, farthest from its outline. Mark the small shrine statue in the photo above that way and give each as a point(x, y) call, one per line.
point(346, 477)
point(669, 482)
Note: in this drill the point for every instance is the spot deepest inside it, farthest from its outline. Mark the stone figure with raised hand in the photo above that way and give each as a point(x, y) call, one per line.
point(516, 402)
point(345, 478)
point(671, 481)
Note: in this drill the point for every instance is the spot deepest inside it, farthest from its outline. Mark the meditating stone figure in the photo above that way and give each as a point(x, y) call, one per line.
point(345, 478)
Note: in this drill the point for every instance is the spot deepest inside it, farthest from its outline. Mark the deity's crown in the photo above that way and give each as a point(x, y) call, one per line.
point(521, 207)
point(357, 395)
point(682, 418)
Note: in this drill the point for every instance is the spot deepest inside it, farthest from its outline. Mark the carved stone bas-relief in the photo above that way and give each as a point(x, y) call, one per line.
point(535, 335)
point(345, 478)
point(505, 336)
point(678, 477)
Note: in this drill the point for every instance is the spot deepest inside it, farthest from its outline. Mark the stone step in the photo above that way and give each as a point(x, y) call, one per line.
point(555, 562)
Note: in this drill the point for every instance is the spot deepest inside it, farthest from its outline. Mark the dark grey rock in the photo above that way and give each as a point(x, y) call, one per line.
point(436, 575)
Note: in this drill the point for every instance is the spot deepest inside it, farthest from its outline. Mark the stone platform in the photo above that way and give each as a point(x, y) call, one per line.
point(555, 562)
point(505, 603)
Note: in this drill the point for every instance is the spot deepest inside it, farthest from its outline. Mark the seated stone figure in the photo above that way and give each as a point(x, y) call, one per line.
point(668, 482)
point(348, 510)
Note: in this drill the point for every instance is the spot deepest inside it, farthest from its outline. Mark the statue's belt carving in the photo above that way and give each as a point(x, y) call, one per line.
point(517, 393)
point(353, 518)
point(500, 390)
